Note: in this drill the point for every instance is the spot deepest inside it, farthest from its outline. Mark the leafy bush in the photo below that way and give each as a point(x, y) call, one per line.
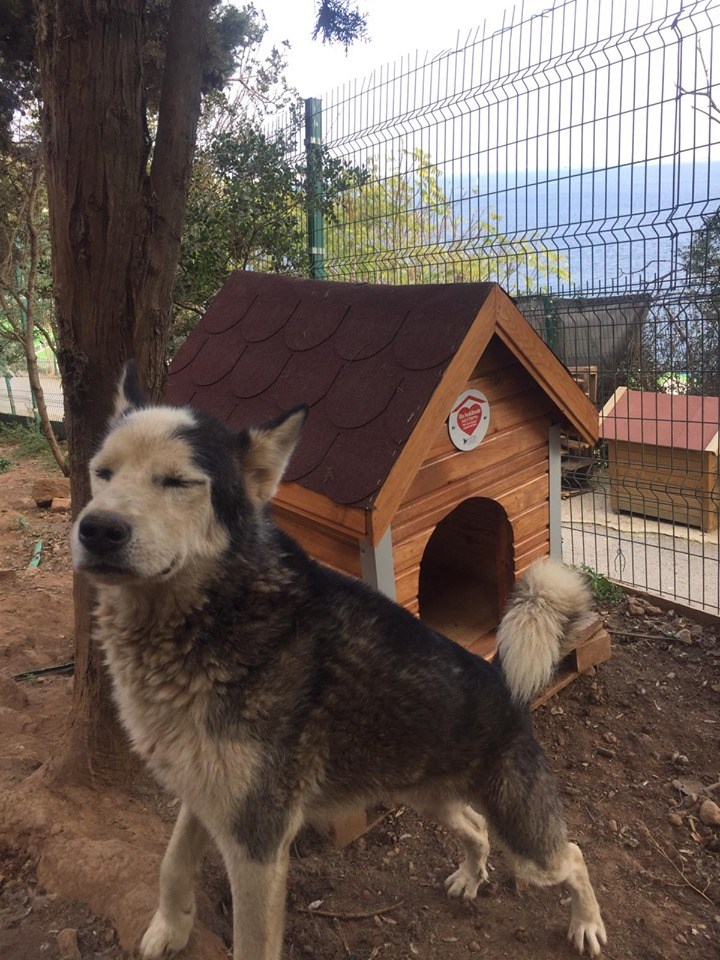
point(27, 440)
point(604, 590)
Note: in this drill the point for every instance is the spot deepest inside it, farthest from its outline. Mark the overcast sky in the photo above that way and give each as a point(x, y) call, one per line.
point(636, 125)
point(395, 28)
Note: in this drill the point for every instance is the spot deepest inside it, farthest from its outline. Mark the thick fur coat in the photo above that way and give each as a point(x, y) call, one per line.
point(266, 691)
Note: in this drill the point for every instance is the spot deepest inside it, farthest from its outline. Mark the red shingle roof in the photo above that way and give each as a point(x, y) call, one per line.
point(365, 358)
point(663, 420)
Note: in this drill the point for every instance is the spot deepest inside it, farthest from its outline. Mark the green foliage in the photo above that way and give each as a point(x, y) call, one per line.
point(339, 22)
point(605, 591)
point(18, 80)
point(681, 336)
point(28, 441)
point(230, 30)
point(247, 207)
point(701, 260)
point(5, 464)
point(23, 207)
point(243, 211)
point(400, 226)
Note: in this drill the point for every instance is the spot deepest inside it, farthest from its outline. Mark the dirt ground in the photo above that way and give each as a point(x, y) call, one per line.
point(635, 748)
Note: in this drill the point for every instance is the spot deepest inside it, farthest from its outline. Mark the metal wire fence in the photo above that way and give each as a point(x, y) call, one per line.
point(574, 157)
point(16, 396)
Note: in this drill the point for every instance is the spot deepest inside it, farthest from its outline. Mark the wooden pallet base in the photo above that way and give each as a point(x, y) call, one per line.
point(593, 647)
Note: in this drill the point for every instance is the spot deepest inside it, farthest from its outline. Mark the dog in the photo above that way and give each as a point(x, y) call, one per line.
point(266, 690)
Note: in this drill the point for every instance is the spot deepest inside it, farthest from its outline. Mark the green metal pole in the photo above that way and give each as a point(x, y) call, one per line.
point(314, 183)
point(23, 320)
point(550, 318)
point(8, 378)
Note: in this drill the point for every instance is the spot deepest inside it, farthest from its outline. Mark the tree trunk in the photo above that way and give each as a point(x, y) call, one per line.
point(115, 234)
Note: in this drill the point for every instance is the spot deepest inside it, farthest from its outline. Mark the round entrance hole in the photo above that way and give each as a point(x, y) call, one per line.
point(466, 573)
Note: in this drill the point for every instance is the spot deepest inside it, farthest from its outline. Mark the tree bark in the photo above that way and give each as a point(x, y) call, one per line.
point(115, 234)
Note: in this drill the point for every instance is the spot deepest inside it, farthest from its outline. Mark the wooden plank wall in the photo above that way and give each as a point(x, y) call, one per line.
point(322, 542)
point(510, 466)
point(672, 484)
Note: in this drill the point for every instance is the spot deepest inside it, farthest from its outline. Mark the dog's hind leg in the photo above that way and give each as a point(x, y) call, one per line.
point(586, 926)
point(523, 809)
point(170, 928)
point(471, 829)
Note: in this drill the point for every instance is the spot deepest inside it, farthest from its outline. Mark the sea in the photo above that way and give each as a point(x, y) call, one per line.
point(620, 229)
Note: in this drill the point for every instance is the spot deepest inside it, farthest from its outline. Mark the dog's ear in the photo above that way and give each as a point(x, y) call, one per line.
point(267, 453)
point(130, 395)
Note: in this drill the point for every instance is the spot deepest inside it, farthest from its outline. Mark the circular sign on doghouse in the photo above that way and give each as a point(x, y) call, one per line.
point(469, 419)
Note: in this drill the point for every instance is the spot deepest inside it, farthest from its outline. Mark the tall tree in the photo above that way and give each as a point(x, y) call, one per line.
point(117, 200)
point(115, 223)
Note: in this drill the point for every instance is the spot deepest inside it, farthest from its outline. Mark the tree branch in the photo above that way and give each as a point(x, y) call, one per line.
point(170, 173)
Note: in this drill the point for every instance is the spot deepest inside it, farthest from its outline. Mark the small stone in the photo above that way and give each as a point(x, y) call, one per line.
point(709, 813)
point(610, 738)
point(522, 935)
point(696, 630)
point(684, 636)
point(675, 819)
point(60, 505)
point(474, 947)
point(46, 490)
point(613, 825)
point(681, 939)
point(68, 944)
point(635, 609)
point(308, 951)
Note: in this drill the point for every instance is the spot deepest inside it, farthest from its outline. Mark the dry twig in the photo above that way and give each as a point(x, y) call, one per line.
point(675, 867)
point(365, 915)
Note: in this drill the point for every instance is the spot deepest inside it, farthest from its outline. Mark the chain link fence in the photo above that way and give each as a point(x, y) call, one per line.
point(573, 157)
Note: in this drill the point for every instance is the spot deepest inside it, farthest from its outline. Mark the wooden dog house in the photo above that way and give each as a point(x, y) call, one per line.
point(663, 456)
point(430, 461)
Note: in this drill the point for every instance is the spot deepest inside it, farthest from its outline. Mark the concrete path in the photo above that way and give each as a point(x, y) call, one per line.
point(669, 560)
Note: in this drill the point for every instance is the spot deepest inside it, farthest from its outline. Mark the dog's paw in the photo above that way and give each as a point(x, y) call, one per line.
point(465, 884)
point(587, 932)
point(164, 937)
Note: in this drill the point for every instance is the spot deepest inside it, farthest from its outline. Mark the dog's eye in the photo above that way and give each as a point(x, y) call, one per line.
point(103, 473)
point(167, 482)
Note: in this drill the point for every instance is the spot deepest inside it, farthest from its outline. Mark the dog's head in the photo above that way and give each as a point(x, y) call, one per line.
point(173, 489)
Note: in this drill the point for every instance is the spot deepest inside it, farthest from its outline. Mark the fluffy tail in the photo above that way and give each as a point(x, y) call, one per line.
point(543, 615)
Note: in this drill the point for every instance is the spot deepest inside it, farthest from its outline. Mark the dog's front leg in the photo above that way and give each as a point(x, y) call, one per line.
point(170, 928)
point(258, 892)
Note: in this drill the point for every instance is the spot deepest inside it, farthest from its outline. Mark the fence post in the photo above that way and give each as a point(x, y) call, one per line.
point(314, 187)
point(8, 378)
point(550, 322)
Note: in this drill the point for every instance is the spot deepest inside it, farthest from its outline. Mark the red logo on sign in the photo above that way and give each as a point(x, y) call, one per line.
point(468, 417)
point(469, 414)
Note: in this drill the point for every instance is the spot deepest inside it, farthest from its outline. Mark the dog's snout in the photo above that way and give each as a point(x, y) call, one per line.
point(103, 533)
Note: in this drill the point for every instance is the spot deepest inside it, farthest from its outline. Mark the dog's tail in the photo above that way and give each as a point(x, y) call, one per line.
point(541, 621)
